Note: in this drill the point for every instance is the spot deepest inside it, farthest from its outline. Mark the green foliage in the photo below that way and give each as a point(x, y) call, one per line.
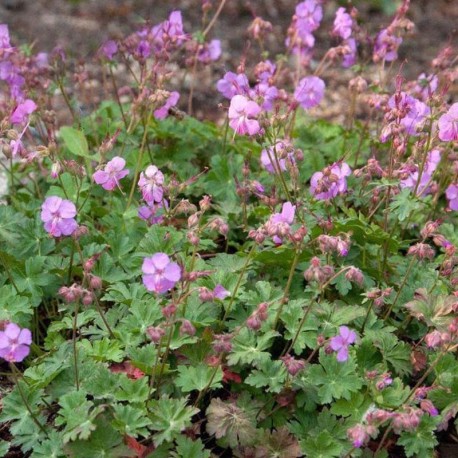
point(111, 363)
point(169, 417)
point(333, 379)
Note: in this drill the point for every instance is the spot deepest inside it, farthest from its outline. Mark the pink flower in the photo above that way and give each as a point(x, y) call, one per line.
point(265, 95)
point(220, 292)
point(309, 14)
point(149, 213)
point(241, 111)
point(349, 59)
point(162, 113)
point(58, 215)
point(309, 91)
point(342, 24)
point(150, 182)
point(386, 46)
point(448, 124)
point(452, 195)
point(15, 343)
point(341, 342)
point(113, 172)
point(23, 111)
point(109, 49)
point(232, 84)
point(278, 225)
point(330, 182)
point(423, 189)
point(5, 38)
point(426, 85)
point(268, 160)
point(209, 52)
point(159, 273)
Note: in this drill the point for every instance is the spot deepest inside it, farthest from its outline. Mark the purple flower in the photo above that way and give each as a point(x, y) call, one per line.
point(341, 342)
point(448, 124)
point(265, 70)
point(278, 225)
point(287, 214)
point(220, 292)
point(309, 91)
point(162, 113)
point(415, 113)
point(342, 24)
point(232, 84)
point(241, 111)
point(349, 59)
point(330, 182)
point(386, 46)
point(150, 182)
point(265, 95)
point(173, 27)
point(15, 343)
point(58, 215)
point(149, 212)
point(426, 85)
point(309, 15)
point(452, 195)
point(23, 111)
point(4, 38)
point(268, 160)
point(113, 172)
point(42, 60)
point(432, 161)
point(109, 49)
point(143, 49)
point(159, 273)
point(209, 52)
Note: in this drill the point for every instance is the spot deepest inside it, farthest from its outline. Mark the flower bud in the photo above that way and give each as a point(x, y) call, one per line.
point(187, 328)
point(155, 333)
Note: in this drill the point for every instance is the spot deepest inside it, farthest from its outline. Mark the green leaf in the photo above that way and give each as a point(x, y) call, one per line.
point(22, 427)
point(14, 307)
point(396, 353)
point(75, 141)
point(131, 390)
point(404, 204)
point(130, 420)
point(335, 380)
point(186, 447)
point(272, 374)
point(249, 348)
point(104, 442)
point(170, 417)
point(323, 445)
point(355, 407)
point(421, 442)
point(106, 350)
point(198, 377)
point(76, 415)
point(50, 447)
point(4, 447)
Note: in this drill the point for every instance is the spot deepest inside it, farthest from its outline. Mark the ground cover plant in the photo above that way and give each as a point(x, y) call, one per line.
point(275, 285)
